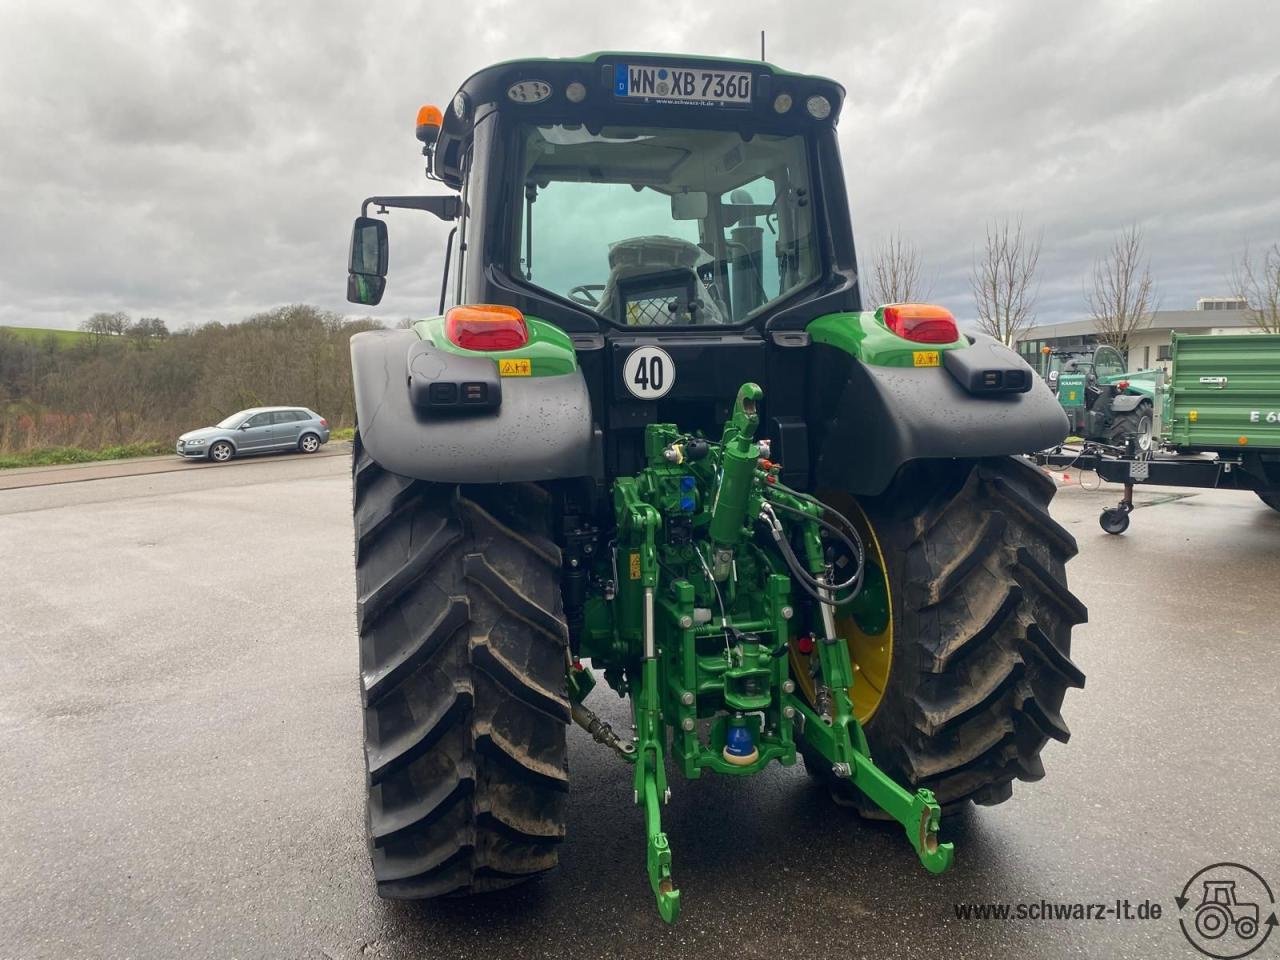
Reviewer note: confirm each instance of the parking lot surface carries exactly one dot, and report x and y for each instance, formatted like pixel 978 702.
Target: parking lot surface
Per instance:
pixel 181 772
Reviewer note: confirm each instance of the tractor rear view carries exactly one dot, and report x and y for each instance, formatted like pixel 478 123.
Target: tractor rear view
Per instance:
pixel 652 438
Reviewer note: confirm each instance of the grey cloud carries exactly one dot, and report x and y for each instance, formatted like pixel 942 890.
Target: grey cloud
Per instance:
pixel 202 161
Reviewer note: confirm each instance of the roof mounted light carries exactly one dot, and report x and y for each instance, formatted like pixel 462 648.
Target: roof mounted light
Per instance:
pixel 575 92
pixel 819 107
pixel 921 322
pixel 430 120
pixel 782 102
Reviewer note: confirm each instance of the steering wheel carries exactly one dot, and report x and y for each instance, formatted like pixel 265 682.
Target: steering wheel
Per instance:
pixel 586 294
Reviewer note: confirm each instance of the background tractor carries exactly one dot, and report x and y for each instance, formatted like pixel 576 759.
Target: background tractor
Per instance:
pixel 653 436
pixel 1104 402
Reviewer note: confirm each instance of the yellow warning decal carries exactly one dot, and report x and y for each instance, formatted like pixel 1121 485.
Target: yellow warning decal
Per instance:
pixel 926 358
pixel 635 566
pixel 515 367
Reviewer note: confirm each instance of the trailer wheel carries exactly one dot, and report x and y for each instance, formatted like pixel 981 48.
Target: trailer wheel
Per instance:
pixel 1272 499
pixel 1114 520
pixel 965 665
pixel 462 669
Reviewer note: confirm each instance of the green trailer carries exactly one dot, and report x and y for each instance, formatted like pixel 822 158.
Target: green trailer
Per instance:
pixel 1224 398
pixel 1217 425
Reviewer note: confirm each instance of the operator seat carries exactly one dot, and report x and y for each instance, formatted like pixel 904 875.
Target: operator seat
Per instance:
pixel 653 281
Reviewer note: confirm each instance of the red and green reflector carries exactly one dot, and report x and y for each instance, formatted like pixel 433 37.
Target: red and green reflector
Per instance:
pixel 921 322
pixel 486 326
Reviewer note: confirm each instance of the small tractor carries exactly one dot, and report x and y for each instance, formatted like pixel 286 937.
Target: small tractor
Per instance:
pixel 1220 911
pixel 652 436
pixel 1105 403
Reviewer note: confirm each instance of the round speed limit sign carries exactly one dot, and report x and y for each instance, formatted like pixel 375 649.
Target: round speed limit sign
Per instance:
pixel 649 373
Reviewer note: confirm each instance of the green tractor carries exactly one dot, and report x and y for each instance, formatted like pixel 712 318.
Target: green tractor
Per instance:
pixel 653 437
pixel 1105 403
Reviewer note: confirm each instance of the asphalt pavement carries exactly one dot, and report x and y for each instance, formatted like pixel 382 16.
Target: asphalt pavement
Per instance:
pixel 181 776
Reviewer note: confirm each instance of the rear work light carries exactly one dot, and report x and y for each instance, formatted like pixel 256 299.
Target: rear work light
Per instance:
pixel 486 326
pixel 921 322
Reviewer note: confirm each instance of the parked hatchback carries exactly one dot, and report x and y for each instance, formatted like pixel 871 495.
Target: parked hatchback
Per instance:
pixel 257 430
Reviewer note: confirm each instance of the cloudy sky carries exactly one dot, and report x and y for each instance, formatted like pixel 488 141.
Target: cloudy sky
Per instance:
pixel 203 160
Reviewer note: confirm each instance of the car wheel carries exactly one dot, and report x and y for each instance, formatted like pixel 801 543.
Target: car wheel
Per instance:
pixel 221 452
pixel 309 443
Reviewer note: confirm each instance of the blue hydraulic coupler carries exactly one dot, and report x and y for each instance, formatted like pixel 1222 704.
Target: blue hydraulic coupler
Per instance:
pixel 739 747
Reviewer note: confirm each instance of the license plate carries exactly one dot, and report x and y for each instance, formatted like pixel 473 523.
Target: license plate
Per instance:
pixel 683 85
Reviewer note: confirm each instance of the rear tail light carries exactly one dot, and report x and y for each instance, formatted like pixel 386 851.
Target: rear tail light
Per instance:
pixel 921 322
pixel 486 326
pixel 324 422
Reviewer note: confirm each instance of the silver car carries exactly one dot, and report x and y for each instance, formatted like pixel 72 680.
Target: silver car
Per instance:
pixel 257 430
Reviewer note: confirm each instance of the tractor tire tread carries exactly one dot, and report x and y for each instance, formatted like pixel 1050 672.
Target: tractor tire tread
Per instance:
pixel 462 664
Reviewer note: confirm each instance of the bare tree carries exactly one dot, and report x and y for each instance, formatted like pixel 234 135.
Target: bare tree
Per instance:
pixel 1004 281
pixel 896 273
pixel 1123 298
pixel 1258 284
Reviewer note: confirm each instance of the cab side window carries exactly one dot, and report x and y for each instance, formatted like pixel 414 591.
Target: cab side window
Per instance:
pixel 1107 362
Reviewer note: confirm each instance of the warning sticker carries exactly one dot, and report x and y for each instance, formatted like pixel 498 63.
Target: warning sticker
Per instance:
pixel 635 566
pixel 515 367
pixel 926 358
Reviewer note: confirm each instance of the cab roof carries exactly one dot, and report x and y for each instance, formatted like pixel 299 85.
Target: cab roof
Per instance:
pixel 595 71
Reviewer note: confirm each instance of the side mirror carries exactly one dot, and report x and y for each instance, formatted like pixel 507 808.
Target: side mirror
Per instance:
pixel 243 426
pixel 367 269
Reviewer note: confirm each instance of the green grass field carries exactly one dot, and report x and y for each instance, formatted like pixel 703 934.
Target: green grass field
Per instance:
pixel 49 456
pixel 65 338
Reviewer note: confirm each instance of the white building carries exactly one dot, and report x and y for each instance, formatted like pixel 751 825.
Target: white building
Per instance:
pixel 1149 347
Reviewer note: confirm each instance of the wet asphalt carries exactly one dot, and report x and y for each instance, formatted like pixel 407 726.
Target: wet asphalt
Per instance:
pixel 181 776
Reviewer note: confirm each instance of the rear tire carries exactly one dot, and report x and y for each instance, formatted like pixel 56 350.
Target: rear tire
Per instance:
pixel 1272 500
pixel 982 631
pixel 308 443
pixel 462 662
pixel 1137 422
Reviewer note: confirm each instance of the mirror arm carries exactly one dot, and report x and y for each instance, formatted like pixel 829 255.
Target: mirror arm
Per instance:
pixel 448 255
pixel 444 207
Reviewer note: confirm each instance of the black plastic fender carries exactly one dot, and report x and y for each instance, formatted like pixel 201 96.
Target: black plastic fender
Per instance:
pixel 1125 402
pixel 541 431
pixel 888 416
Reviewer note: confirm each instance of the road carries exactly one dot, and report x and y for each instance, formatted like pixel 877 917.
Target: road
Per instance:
pixel 181 772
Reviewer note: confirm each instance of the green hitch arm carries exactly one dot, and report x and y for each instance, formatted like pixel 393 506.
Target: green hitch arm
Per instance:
pixel 918 813
pixel 841 740
pixel 650 774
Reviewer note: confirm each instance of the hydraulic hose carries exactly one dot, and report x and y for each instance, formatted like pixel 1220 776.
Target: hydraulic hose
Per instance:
pixel 816 588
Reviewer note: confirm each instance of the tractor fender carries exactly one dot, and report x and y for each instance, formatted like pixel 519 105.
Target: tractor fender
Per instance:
pixel 888 416
pixel 541 430
pixel 1125 402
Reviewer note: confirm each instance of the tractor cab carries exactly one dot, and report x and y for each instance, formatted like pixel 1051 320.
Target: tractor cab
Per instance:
pixel 626 199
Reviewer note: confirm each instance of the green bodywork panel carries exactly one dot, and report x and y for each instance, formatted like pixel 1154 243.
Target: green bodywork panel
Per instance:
pixel 694 621
pixel 865 336
pixel 1225 389
pixel 549 350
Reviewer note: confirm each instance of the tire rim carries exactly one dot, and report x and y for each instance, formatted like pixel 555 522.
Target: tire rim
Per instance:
pixel 222 453
pixel 867 624
pixel 1144 432
pixel 310 444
